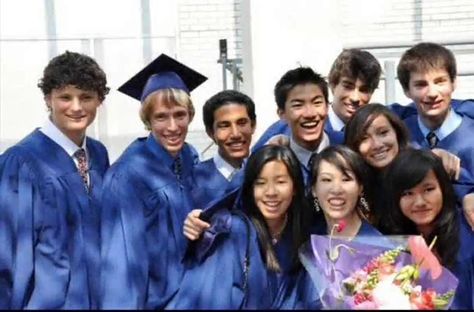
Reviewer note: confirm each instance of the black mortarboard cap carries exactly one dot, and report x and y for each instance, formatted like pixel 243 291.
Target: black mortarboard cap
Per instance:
pixel 162 73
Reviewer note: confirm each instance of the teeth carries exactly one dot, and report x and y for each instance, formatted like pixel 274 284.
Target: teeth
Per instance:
pixel 309 124
pixel 271 204
pixel 336 202
pixel 380 155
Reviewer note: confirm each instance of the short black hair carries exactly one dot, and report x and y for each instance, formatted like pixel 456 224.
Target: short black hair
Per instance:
pixel 223 98
pixel 79 70
pixel 296 77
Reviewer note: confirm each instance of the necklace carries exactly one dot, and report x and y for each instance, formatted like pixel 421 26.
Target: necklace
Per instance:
pixel 277 235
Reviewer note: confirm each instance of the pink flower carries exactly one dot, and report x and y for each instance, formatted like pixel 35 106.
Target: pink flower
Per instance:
pixel 366 305
pixel 341 226
pixel 423 256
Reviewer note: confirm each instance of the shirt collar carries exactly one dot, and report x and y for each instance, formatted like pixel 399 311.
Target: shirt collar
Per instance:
pixel 223 166
pixel 303 154
pixel 51 131
pixel 451 123
pixel 336 122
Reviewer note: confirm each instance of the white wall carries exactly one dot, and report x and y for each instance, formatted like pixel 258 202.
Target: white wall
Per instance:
pixel 270 36
pixel 284 35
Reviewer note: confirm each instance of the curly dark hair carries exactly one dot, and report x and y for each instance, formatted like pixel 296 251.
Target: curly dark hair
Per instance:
pixel 71 68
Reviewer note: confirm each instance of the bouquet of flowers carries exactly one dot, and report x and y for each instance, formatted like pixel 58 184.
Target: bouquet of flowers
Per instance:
pixel 384 272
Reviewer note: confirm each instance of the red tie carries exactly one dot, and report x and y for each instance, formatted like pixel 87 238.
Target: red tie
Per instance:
pixel 80 155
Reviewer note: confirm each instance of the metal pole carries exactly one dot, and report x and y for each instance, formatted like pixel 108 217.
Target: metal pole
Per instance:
pixel 389 67
pixel 146 31
pixel 234 75
pixel 101 119
pixel 223 59
pixel 50 16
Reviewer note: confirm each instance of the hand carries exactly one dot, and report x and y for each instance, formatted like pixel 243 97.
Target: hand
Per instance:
pixel 279 139
pixel 468 208
pixel 451 163
pixel 193 226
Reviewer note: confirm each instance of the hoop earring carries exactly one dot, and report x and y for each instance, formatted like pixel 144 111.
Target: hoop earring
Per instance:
pixel 316 204
pixel 364 205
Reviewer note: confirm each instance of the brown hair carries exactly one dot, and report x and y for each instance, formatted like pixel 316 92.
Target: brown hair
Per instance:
pixel 357 126
pixel 423 57
pixel 355 63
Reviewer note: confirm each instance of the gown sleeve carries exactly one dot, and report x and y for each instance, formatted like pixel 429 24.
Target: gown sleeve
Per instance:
pixel 34 268
pixel 216 282
pixel 124 266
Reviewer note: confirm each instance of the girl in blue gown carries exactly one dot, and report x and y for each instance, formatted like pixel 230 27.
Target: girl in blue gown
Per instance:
pixel 378 135
pixel 422 201
pixel 252 262
pixel 49 220
pixel 339 195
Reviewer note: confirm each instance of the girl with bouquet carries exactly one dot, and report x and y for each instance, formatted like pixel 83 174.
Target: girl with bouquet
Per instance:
pixel 421 200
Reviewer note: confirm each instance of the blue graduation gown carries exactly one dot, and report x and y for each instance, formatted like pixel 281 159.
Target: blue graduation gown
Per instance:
pixel 464 268
pixel 144 208
pixel 460 142
pixel 207 183
pixel 50 256
pixel 217 282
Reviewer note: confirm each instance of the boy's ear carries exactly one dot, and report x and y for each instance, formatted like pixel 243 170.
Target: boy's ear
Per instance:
pixel 407 94
pixel 210 134
pixel 281 113
pixel 254 125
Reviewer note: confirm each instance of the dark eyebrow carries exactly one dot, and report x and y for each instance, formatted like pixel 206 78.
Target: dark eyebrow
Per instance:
pixel 317 97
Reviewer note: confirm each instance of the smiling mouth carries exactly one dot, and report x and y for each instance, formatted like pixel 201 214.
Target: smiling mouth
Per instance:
pixel 76 117
pixel 435 104
pixel 309 124
pixel 337 203
pixel 236 145
pixel 173 139
pixel 352 107
pixel 421 211
pixel 380 155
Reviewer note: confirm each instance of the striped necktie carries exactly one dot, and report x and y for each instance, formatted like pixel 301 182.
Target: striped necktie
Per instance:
pixel 80 155
pixel 432 139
